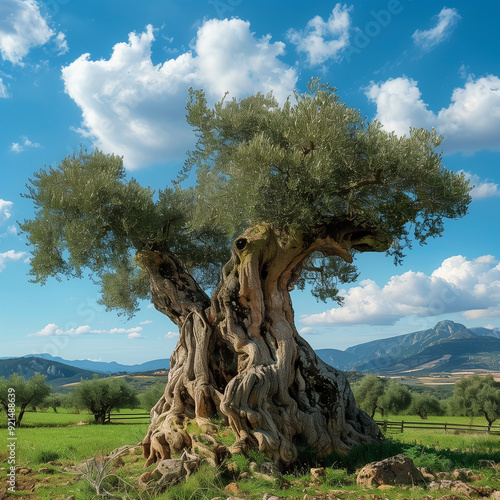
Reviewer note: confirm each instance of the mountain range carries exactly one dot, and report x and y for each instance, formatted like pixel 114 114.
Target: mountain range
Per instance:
pixel 446 347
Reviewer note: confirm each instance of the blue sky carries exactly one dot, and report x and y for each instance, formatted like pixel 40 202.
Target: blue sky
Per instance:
pixel 115 74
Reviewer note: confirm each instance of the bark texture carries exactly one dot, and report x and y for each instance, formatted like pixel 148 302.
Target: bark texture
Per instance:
pixel 240 356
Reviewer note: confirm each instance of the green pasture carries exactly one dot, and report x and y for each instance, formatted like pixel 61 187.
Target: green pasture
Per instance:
pixel 67 438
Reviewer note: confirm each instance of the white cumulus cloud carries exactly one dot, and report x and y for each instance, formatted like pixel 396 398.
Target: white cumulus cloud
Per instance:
pixel 321 40
pixel 3 90
pixel 471 287
pixel 469 123
pixel 10 256
pixel 23 27
pixel 446 21
pixel 482 189
pixel 53 330
pixel 171 335
pixel 135 335
pixel 135 108
pixel 5 210
pixel 24 143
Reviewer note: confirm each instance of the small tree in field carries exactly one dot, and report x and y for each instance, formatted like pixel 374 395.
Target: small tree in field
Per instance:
pixel 23 393
pixel 368 392
pixel 55 401
pixel 101 396
pixel 285 196
pixel 425 404
pixel 477 395
pixel 395 399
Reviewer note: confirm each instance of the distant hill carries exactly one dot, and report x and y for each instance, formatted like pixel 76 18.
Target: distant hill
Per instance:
pixel 57 373
pixel 108 367
pixel 490 332
pixel 447 346
pixel 342 360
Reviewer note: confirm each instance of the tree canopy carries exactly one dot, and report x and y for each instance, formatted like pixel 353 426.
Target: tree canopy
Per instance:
pixel 477 395
pixel 101 396
pixel 300 167
pixel 23 393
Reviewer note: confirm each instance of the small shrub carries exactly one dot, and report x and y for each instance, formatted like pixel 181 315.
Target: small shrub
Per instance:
pixel 241 461
pixel 45 456
pixel 257 456
pixel 203 485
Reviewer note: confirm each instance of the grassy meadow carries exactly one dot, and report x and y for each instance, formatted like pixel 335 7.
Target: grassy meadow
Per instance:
pixel 49 445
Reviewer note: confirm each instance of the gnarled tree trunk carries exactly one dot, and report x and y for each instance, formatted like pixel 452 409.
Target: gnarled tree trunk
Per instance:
pixel 240 355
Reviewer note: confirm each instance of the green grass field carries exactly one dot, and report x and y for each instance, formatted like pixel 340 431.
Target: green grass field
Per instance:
pixel 65 439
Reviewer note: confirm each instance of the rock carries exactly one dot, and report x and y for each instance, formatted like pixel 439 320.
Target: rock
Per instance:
pixel 171 471
pixel 394 470
pixel 246 475
pixel 385 487
pixel 317 473
pixel 253 466
pixel 457 487
pixel 46 470
pixel 268 496
pixel 441 475
pixel 58 464
pixel 487 464
pixel 495 495
pixel 427 474
pixel 232 489
pixel 71 497
pixel 463 475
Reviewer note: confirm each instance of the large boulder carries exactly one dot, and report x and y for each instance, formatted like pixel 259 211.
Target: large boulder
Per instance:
pixel 394 470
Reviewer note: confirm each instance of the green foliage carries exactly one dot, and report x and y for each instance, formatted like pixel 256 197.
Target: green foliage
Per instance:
pixel 90 218
pixel 304 166
pixel 152 395
pixel 395 399
pixel 477 395
pixel 367 393
pixel 16 390
pixel 302 163
pixel 44 456
pixel 205 484
pixel 101 396
pixel 424 404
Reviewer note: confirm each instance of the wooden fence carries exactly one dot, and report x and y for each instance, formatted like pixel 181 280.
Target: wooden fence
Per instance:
pixel 388 426
pixel 116 418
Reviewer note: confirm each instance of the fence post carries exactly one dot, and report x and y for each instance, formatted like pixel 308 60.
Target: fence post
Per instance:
pixel 402 426
pixel 445 428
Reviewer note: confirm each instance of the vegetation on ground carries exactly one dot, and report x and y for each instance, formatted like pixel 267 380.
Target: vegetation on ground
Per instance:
pixel 53 455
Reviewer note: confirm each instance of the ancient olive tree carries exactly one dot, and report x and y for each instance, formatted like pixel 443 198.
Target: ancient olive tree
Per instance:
pixel 271 198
